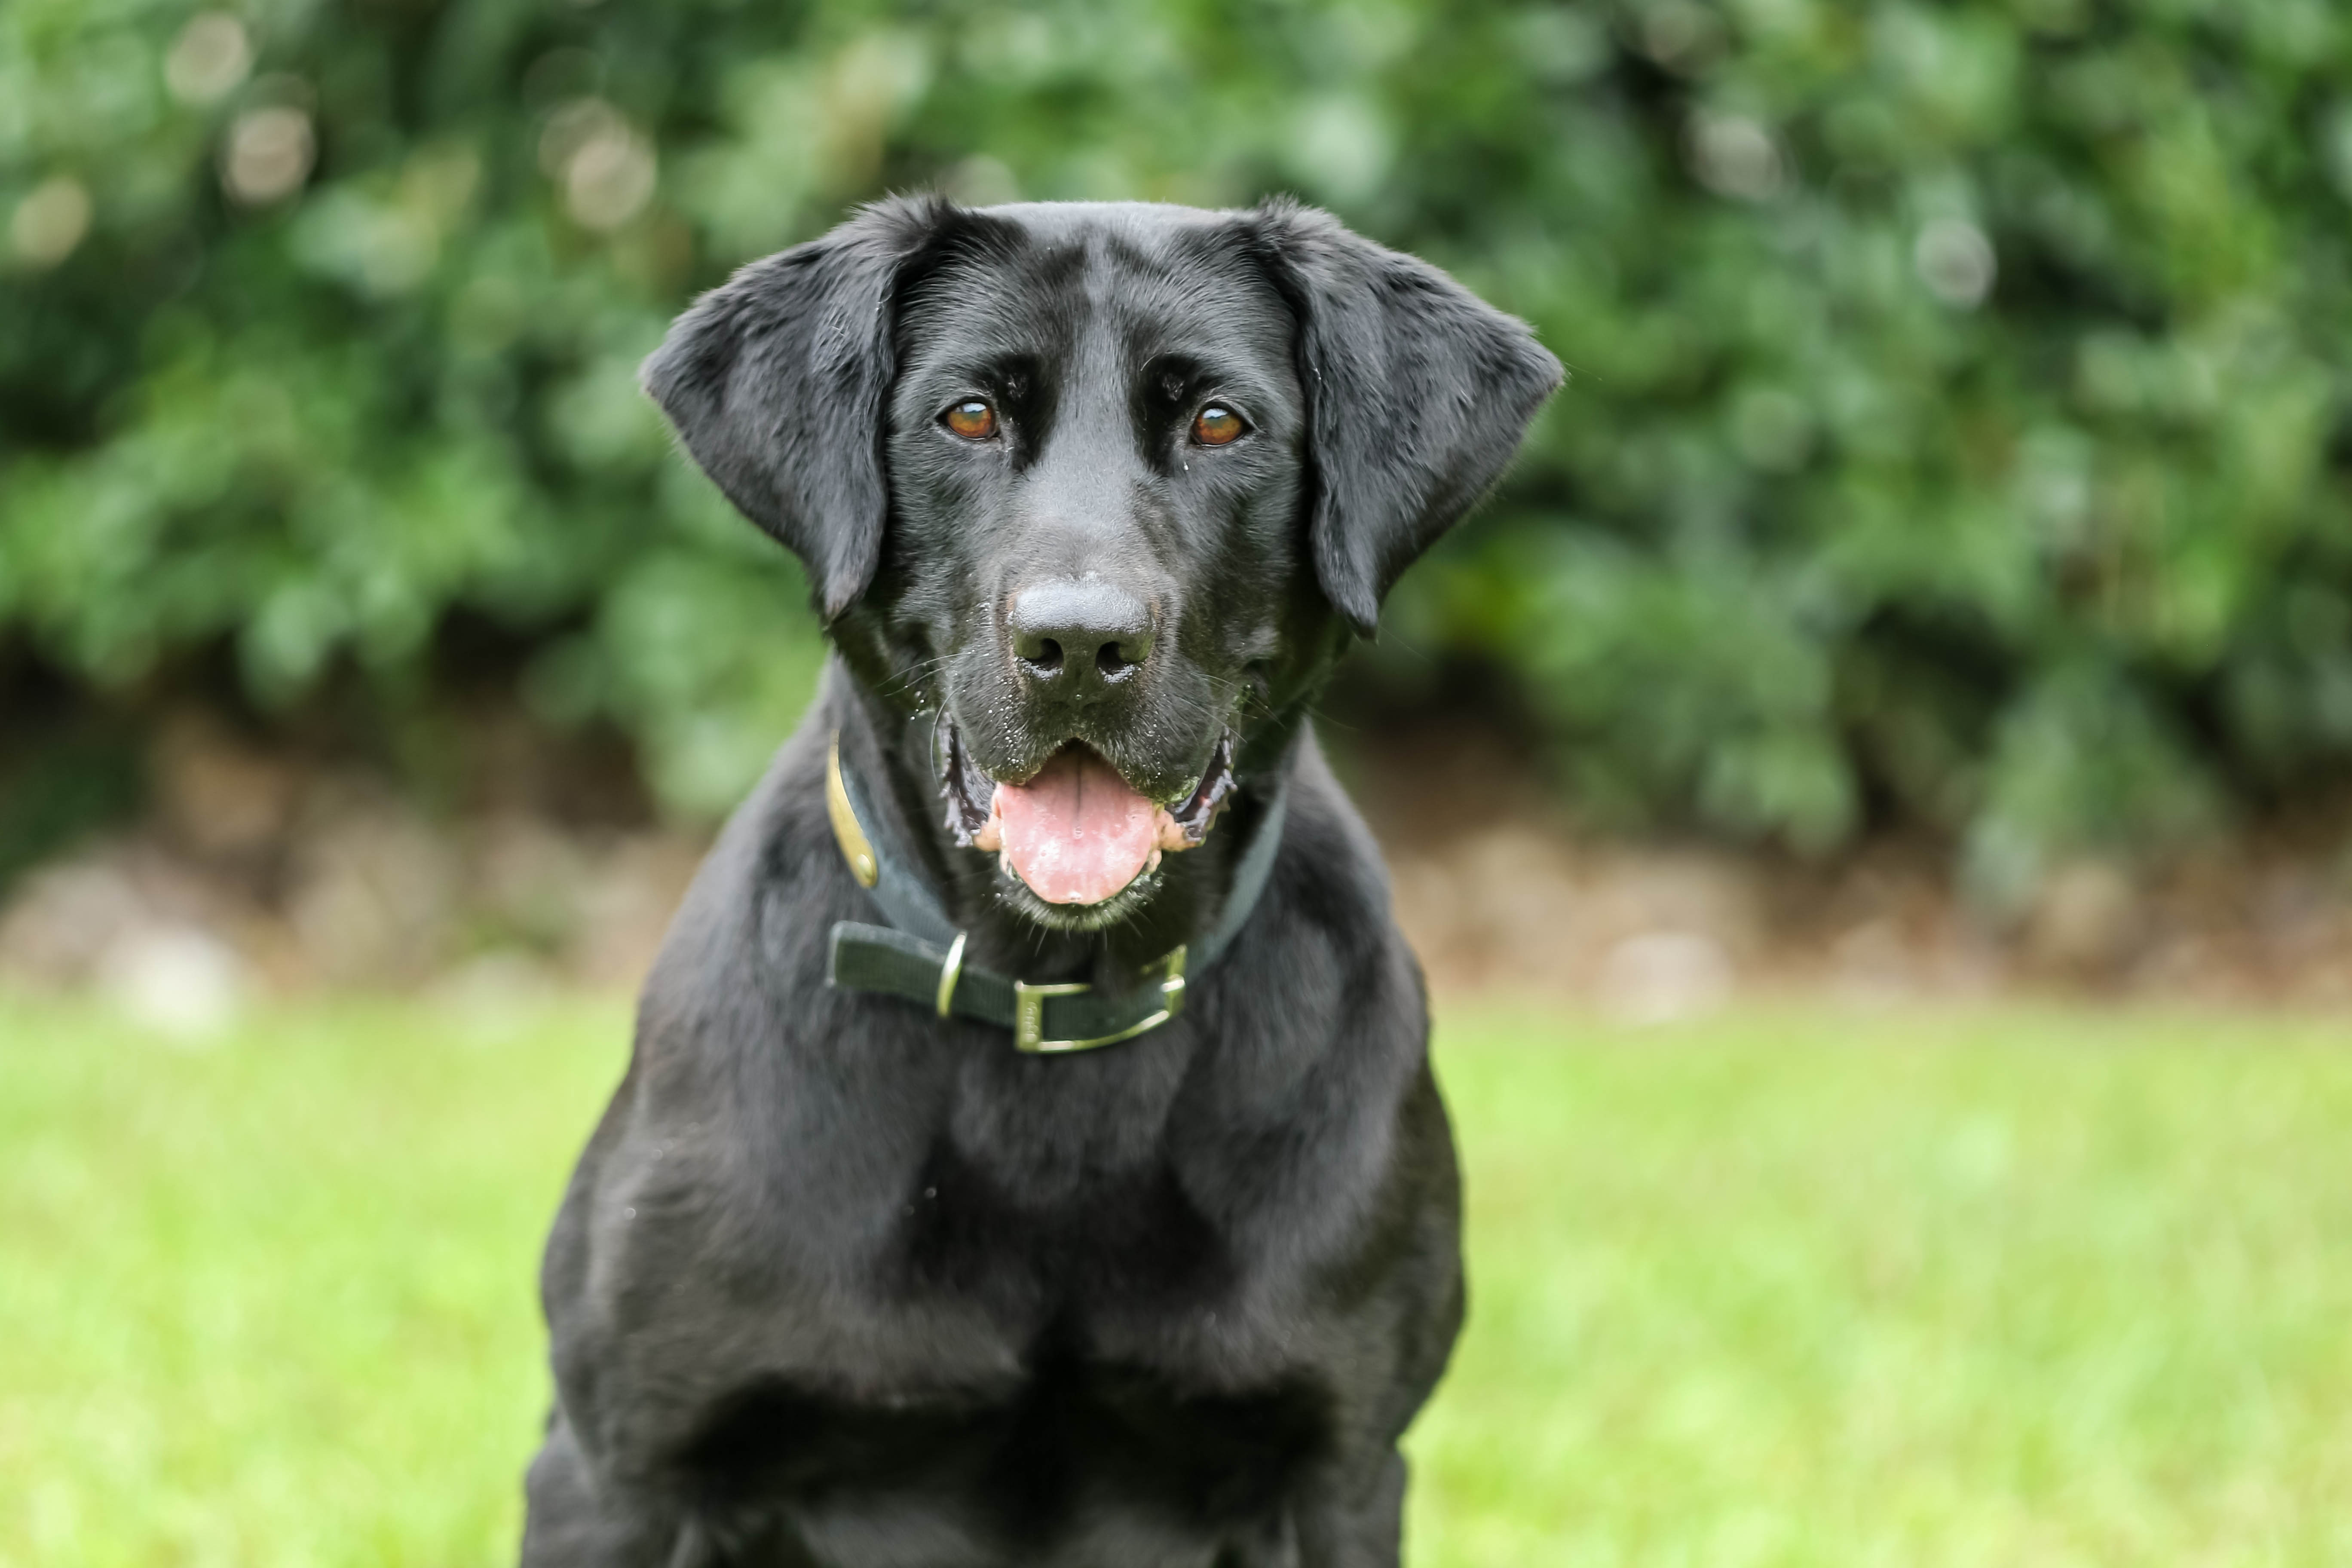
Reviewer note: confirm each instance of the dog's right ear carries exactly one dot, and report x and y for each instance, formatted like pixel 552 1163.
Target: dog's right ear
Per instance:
pixel 776 381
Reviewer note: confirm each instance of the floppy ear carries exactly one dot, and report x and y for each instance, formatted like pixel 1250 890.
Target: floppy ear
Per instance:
pixel 776 383
pixel 1417 394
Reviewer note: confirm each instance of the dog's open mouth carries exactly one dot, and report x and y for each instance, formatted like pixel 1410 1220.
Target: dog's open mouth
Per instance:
pixel 1076 832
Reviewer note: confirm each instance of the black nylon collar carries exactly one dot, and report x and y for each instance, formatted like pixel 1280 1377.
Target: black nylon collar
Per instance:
pixel 918 956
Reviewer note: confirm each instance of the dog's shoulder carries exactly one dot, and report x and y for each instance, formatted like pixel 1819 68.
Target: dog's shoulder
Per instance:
pixel 1329 887
pixel 766 893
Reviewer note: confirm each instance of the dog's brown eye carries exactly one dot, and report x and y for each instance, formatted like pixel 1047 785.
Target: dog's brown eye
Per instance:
pixel 1215 425
pixel 973 420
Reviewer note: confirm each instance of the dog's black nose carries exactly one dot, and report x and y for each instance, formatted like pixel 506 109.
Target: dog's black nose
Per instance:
pixel 1074 634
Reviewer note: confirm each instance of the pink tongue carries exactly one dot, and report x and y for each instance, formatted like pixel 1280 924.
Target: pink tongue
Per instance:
pixel 1075 832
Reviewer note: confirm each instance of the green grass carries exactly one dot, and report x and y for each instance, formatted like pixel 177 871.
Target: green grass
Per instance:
pixel 2018 1288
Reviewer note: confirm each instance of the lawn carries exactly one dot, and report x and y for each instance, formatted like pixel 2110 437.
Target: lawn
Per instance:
pixel 1799 1287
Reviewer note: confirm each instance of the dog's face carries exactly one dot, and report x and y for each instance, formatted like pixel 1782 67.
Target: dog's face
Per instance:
pixel 1095 463
pixel 1108 487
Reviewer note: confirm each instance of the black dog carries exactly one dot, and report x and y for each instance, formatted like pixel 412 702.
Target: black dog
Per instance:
pixel 873 1260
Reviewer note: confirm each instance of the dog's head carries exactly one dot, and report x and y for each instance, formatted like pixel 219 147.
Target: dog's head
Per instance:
pixel 1107 487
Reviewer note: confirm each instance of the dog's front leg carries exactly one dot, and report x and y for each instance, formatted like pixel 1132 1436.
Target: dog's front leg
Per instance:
pixel 1355 1521
pixel 572 1520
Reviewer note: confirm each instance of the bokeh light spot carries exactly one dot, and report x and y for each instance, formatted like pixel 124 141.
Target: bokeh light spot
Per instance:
pixel 49 223
pixel 1955 261
pixel 269 156
pixel 208 58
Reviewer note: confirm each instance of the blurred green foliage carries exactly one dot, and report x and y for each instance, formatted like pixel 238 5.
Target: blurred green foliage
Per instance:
pixel 1958 433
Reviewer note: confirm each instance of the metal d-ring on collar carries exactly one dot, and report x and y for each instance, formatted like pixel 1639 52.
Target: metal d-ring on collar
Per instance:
pixel 920 956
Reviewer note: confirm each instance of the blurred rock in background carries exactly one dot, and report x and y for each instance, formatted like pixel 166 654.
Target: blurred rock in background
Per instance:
pixel 259 872
pixel 288 872
pixel 1498 888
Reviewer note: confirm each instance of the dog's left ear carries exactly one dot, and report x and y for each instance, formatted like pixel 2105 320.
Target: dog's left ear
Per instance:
pixel 776 381
pixel 1417 394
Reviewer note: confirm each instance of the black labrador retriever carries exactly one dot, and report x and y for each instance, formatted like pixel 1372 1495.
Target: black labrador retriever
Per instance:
pixel 1030 1154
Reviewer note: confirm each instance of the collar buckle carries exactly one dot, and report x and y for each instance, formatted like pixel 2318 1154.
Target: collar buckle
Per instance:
pixel 1029 1010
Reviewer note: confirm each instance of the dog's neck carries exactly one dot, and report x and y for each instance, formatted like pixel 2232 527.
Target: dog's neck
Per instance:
pixel 892 748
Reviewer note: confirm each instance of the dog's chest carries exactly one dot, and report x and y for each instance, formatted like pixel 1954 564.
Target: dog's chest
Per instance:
pixel 1022 1371
pixel 1074 1447
pixel 1118 1243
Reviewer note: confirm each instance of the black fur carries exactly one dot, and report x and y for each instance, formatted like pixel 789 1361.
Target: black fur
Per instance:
pixel 838 1282
pixel 775 383
pixel 1418 395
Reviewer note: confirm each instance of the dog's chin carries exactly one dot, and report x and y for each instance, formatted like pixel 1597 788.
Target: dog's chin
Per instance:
pixel 1015 895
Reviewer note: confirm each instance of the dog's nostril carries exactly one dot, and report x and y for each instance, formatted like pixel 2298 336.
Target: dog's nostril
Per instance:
pixel 1078 636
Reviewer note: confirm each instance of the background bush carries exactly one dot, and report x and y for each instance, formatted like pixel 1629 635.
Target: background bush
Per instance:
pixel 1958 433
